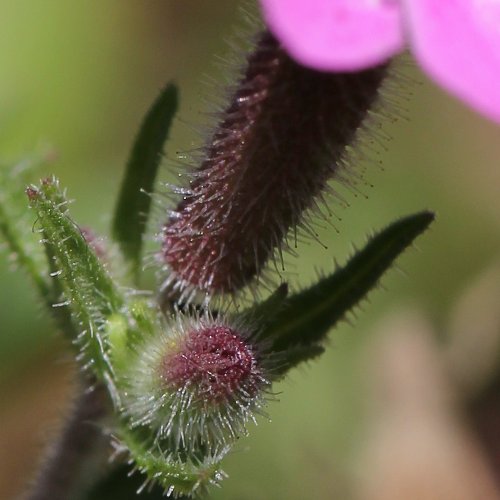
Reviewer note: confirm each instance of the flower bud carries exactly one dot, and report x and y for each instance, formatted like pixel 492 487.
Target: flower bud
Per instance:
pixel 282 137
pixel 198 382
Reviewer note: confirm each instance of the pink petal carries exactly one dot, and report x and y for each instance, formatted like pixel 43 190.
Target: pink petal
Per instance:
pixel 458 43
pixel 336 35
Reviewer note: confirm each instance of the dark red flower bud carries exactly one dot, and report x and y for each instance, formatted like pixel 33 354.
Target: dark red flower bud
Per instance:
pixel 281 138
pixel 215 362
pixel 198 383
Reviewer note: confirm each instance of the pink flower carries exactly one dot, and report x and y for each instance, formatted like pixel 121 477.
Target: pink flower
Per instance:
pixel 457 42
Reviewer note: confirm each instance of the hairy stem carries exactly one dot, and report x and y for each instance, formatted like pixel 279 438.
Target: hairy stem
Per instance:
pixel 73 462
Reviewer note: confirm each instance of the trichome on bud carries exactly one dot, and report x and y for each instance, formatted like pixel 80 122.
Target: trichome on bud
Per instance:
pixel 197 382
pixel 281 138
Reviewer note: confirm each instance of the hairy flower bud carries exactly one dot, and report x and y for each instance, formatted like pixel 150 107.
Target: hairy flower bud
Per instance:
pixel 198 383
pixel 282 137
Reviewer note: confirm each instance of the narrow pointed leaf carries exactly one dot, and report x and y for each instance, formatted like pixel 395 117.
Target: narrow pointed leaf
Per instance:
pixel 307 316
pixel 132 209
pixel 264 312
pixel 295 355
pixel 88 290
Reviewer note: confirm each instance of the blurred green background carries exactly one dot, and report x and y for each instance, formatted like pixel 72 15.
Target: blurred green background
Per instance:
pixel 79 76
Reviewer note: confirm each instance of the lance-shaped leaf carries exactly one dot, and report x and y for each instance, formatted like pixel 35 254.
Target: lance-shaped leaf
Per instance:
pixel 132 209
pixel 264 312
pixel 88 290
pixel 306 317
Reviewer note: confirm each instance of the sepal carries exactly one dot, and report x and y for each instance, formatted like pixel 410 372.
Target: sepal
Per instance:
pixel 87 288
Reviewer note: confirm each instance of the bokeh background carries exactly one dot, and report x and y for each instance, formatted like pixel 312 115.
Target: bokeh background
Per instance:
pixel 78 76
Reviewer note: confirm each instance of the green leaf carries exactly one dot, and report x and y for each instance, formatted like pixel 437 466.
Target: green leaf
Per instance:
pixel 264 312
pixel 295 355
pixel 132 209
pixel 88 290
pixel 306 317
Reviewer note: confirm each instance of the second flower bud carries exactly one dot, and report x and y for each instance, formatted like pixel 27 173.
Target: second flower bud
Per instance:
pixel 195 381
